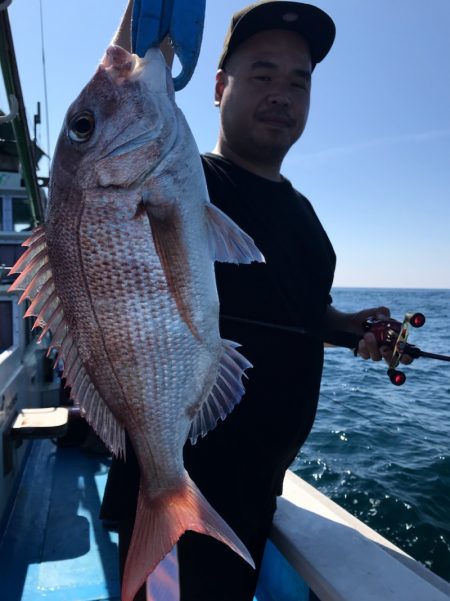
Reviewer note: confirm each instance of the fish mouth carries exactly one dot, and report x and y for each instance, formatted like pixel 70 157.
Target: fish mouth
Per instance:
pixel 119 60
pixel 151 71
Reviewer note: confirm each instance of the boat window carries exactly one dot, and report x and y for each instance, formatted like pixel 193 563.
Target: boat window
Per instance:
pixel 6 325
pixel 22 217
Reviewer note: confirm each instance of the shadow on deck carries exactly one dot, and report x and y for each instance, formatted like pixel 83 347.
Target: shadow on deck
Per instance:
pixel 54 547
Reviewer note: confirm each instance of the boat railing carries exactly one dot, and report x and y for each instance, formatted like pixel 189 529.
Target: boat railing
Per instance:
pixel 338 557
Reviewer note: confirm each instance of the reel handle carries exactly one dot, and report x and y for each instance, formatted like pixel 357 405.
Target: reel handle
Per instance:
pixel 416 320
pixel 396 376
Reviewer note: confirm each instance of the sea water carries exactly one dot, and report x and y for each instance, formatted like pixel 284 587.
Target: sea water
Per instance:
pixel 381 451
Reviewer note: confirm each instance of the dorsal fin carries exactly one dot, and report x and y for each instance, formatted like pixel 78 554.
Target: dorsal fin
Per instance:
pixel 40 299
pixel 36 280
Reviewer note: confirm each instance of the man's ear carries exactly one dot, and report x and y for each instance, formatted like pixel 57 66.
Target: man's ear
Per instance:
pixel 220 86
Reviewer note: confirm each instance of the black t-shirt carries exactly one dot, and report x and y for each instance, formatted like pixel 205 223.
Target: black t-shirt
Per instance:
pixel 256 443
pixel 292 288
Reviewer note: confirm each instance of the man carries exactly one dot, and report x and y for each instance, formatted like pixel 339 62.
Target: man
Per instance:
pixel 263 93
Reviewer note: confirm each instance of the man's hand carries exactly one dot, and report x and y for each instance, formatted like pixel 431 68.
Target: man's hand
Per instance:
pixel 368 346
pixel 353 322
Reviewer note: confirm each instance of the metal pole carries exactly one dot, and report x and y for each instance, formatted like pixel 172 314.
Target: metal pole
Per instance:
pixel 19 123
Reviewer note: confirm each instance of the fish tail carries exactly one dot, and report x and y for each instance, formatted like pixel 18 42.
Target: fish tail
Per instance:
pixel 160 523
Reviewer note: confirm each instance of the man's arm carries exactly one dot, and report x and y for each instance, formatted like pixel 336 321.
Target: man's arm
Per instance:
pixel 122 37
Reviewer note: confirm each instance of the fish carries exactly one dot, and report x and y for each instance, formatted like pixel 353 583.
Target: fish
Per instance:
pixel 121 273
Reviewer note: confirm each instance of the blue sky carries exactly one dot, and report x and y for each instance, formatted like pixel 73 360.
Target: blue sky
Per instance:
pixel 375 157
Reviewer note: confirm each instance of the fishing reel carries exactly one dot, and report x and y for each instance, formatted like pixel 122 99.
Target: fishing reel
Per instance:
pixel 394 334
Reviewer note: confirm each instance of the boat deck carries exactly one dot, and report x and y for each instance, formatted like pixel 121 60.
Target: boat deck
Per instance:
pixel 54 546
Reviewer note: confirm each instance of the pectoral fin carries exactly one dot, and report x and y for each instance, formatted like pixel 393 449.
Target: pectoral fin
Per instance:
pixel 227 242
pixel 166 229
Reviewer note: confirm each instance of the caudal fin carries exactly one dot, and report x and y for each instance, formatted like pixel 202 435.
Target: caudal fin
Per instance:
pixel 160 523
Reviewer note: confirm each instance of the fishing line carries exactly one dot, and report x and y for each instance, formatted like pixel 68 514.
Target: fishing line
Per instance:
pixel 44 71
pixel 351 409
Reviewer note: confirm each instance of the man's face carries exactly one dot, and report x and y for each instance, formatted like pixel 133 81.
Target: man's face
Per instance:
pixel 264 95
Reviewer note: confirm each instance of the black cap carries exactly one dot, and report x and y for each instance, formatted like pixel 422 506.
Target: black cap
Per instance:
pixel 311 22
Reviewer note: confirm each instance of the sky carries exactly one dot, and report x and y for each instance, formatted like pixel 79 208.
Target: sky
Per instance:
pixel 375 157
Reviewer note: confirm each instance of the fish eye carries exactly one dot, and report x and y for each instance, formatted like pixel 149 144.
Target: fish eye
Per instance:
pixel 81 126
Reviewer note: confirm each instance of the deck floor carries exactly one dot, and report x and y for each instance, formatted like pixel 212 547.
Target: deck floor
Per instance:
pixel 54 546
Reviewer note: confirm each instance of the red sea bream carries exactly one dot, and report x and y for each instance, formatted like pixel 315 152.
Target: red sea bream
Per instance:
pixel 122 275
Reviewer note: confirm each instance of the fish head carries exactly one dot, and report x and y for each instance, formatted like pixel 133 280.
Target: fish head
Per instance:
pixel 121 125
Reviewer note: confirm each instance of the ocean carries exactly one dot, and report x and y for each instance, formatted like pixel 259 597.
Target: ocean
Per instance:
pixel 382 451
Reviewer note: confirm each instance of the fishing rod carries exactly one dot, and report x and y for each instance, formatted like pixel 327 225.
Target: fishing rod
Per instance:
pixel 332 337
pixel 387 332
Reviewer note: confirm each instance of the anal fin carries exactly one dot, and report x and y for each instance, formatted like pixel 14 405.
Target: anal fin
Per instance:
pixel 225 394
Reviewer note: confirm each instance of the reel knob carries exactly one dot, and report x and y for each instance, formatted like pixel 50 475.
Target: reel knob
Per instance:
pixel 396 377
pixel 417 320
